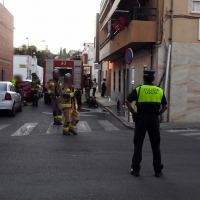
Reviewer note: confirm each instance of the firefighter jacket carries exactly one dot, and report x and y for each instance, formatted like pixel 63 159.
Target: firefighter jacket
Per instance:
pixel 68 97
pixel 88 83
pixel 54 88
pixel 35 84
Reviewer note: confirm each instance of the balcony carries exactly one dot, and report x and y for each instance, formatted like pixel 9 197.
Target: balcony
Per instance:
pixel 104 9
pixel 141 30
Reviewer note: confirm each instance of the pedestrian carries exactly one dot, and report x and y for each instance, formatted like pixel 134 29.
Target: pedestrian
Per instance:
pixel 94 87
pixel 103 87
pixel 54 87
pixel 69 106
pixel 34 90
pixel 150 102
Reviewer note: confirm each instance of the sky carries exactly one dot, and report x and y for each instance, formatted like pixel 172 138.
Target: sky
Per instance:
pixel 61 23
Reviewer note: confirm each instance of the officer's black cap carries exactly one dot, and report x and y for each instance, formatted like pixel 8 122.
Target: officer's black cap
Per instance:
pixel 34 74
pixel 149 73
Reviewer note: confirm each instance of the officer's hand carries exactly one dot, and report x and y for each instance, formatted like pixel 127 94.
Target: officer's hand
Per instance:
pixel 66 96
pixel 72 94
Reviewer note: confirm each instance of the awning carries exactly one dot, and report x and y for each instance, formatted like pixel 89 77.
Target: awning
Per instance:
pixel 111 12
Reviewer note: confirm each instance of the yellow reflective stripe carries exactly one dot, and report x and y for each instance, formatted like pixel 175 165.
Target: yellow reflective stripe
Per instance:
pixel 49 91
pixel 149 94
pixel 66 105
pixel 68 90
pixel 65 128
pixel 59 116
pixel 52 84
pixel 72 94
pixel 76 106
pixel 72 126
pixel 55 117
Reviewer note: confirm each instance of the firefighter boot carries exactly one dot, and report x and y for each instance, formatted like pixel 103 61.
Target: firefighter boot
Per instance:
pixel 66 129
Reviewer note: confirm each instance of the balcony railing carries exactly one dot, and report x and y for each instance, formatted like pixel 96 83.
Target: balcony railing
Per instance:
pixel 142 13
pixel 137 13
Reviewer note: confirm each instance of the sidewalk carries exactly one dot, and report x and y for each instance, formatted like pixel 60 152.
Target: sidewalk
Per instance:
pixel 122 116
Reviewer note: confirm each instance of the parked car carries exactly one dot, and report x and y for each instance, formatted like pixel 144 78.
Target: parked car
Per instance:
pixel 27 88
pixel 9 99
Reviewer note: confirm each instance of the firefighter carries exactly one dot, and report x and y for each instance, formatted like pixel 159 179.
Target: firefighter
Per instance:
pixel 19 87
pixel 69 106
pixel 88 85
pixel 54 87
pixel 34 90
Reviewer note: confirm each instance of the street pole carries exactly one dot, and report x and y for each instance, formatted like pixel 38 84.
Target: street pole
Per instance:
pixel 128 84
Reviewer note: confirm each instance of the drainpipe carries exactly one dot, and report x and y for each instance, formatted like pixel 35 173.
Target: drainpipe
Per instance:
pixel 170 63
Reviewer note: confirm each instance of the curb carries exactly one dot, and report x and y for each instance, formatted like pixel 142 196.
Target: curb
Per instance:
pixel 116 116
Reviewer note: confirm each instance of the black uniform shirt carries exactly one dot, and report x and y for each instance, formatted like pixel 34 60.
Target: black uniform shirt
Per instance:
pixel 146 108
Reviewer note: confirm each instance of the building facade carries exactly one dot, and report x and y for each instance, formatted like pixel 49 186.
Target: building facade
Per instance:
pixel 6 44
pixel 164 36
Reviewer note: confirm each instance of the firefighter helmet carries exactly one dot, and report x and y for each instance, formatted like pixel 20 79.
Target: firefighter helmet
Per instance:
pixel 68 75
pixel 55 71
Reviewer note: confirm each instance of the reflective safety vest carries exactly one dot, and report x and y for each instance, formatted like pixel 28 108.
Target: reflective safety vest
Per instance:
pixel 149 94
pixel 54 87
pixel 70 102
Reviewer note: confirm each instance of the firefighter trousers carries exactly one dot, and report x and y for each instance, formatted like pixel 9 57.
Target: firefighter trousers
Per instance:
pixel 71 118
pixel 87 93
pixel 34 97
pixel 56 107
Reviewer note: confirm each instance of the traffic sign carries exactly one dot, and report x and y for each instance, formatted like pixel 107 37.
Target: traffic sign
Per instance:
pixel 129 56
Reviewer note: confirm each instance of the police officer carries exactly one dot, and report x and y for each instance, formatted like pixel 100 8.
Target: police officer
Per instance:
pixel 69 106
pixel 34 89
pixel 54 87
pixel 150 102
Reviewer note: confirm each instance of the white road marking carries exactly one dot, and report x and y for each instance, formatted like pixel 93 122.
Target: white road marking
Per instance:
pixel 25 129
pixel 176 131
pixel 107 125
pixel 47 113
pixel 4 126
pixel 54 129
pixel 190 134
pixel 83 126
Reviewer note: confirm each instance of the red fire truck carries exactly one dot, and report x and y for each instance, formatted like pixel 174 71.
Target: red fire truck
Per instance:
pixel 74 67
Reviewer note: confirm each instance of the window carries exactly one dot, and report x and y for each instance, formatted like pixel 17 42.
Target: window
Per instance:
pixel 114 79
pixel 196 5
pixel 119 81
pixel 3 75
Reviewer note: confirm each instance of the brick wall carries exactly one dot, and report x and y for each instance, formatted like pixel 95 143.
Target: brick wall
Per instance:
pixel 6 43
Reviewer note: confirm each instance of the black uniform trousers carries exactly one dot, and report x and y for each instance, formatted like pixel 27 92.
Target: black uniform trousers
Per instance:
pixel 150 123
pixel 34 97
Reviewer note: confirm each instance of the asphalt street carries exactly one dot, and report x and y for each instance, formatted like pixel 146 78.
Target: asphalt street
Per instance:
pixel 38 162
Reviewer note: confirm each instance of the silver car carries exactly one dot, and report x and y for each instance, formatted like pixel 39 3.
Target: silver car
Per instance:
pixel 9 99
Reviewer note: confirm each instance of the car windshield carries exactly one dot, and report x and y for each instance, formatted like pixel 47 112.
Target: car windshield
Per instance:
pixel 3 87
pixel 26 83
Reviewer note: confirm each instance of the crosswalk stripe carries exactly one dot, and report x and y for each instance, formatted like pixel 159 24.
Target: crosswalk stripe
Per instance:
pixel 83 126
pixel 190 134
pixel 4 126
pixel 54 129
pixel 176 131
pixel 107 125
pixel 25 129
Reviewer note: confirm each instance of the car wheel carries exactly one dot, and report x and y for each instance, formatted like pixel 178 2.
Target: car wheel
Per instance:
pixel 20 107
pixel 13 111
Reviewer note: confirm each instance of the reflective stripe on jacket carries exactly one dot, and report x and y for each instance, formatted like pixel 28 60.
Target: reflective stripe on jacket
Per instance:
pixel 70 102
pixel 54 87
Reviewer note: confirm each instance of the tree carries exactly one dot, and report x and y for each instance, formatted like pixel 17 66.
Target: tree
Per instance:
pixel 40 55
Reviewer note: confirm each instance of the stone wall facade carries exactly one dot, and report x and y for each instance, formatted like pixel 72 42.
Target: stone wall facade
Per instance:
pixel 6 43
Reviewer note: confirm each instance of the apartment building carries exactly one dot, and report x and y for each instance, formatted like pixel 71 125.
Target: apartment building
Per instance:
pixel 6 44
pixel 165 37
